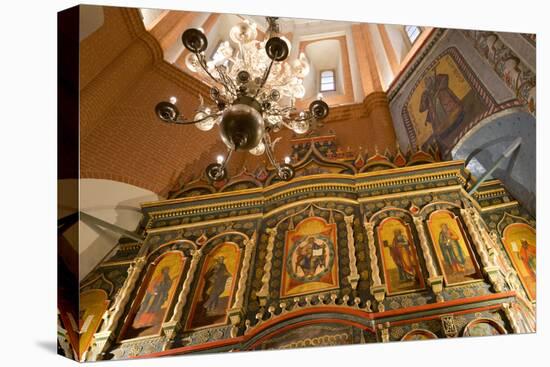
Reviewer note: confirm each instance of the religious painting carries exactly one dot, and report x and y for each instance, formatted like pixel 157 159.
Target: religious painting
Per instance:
pixel 93 304
pixel 310 258
pixel 444 101
pixel 483 327
pixel 453 251
pixel 399 257
pixel 216 287
pixel 520 242
pixel 154 297
pixel 418 334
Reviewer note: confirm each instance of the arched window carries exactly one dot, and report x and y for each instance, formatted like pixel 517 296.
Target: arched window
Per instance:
pixel 412 32
pixel 327 81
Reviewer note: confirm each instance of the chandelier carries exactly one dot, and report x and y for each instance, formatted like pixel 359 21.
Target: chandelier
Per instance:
pixel 254 92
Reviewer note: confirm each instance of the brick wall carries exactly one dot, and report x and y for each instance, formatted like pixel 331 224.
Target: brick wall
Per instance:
pixel 123 77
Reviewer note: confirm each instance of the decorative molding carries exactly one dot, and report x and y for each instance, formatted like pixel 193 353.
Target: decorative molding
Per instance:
pixel 63 340
pixel 449 326
pixel 507 64
pixel 263 294
pixel 309 302
pixel 354 275
pixel 171 327
pixel 237 310
pixel 378 289
pixel 435 280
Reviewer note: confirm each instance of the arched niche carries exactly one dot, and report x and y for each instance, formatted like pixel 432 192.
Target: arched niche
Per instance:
pixel 483 145
pixel 453 250
pixel 399 256
pixel 418 334
pixel 520 243
pixel 154 297
pixel 483 327
pixel 215 287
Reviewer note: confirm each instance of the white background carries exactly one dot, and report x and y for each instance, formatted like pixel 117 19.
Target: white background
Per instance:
pixel 28 181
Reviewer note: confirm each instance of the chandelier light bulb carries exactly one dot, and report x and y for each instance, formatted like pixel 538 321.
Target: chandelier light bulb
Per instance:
pixel 243 33
pixel 219 159
pixel 287 41
pixel 300 127
pixel 207 123
pixel 320 96
pixel 192 63
pixel 287 159
pixel 173 100
pixel 258 150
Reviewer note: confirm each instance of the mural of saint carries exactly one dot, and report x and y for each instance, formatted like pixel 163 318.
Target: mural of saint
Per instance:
pixel 527 254
pixel 399 257
pixel 400 251
pixel 216 280
pixel 443 107
pixel 520 243
pixel 215 287
pixel 453 252
pixel 444 102
pixel 154 296
pixel 310 264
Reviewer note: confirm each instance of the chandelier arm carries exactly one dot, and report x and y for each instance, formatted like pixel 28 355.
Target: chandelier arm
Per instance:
pixel 202 63
pixel 286 125
pixel 279 111
pixel 181 121
pixel 269 151
pixel 227 83
pixel 264 80
pixel 307 117
pixel 227 158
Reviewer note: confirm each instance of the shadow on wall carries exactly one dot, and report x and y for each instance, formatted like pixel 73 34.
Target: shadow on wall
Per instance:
pixel 114 202
pixel 486 142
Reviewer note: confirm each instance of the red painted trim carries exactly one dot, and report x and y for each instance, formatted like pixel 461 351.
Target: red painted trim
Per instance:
pixel 341 310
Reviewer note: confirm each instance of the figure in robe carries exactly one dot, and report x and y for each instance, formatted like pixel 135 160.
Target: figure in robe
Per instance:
pixel 215 282
pixel 400 251
pixel 528 256
pixel 443 107
pixel 451 250
pixel 311 254
pixel 155 296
